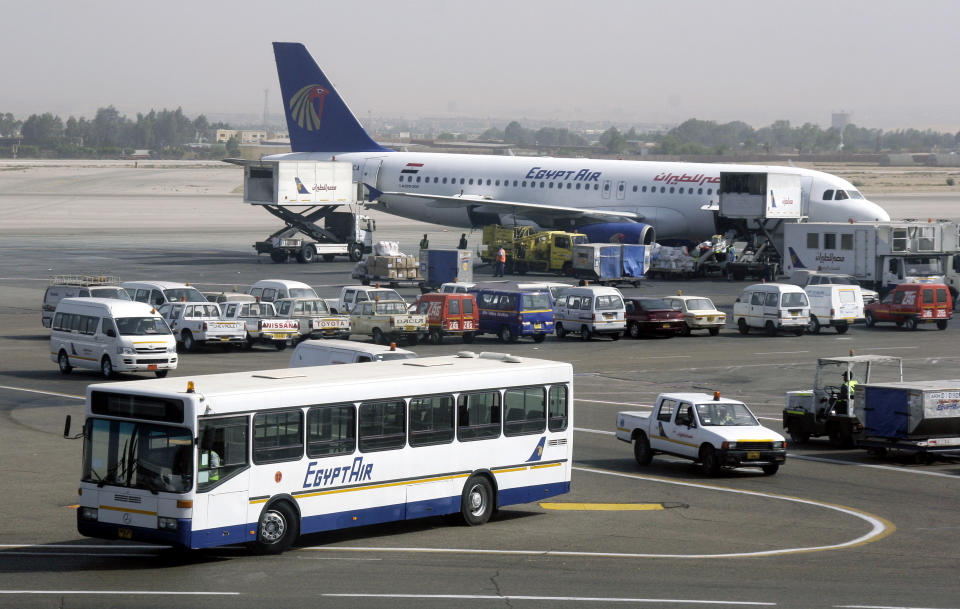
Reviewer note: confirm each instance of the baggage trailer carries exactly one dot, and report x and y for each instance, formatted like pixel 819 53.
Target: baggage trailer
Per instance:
pixel 920 417
pixel 611 263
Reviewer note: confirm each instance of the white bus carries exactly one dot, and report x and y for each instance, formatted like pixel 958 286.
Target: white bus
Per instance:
pixel 261 457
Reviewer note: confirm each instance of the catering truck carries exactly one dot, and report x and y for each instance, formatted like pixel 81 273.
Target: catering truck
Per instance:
pixel 710 430
pixel 880 255
pixel 920 417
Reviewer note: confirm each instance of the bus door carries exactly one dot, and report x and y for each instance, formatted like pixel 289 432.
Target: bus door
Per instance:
pixel 223 473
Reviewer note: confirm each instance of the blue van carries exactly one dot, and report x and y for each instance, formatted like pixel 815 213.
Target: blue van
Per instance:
pixel 512 313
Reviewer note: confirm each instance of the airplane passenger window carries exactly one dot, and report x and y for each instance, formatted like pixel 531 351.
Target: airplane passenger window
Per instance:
pixel 435 180
pixel 444 180
pixel 497 183
pixel 596 187
pixel 663 189
pixel 606 187
pixel 418 179
pixel 620 187
pixel 514 183
pixel 644 189
pixel 471 181
pixel 541 184
pixel 709 191
pixel 569 185
pixel 578 185
pixel 551 184
pixel 461 180
pixel 524 183
pixel 634 188
pixel 828 195
pixel 671 190
pixel 699 191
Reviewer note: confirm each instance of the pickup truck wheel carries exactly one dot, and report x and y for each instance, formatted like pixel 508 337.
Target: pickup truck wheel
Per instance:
pixel 64 362
pixel 106 367
pixel 742 326
pixel 307 254
pixel 355 252
pixel 714 331
pixel 247 343
pixel 435 337
pixel 941 324
pixel 468 337
pixel 476 501
pixel 328 257
pixel 378 336
pixel 280 345
pixel 842 328
pixel 770 469
pixel 189 344
pixel 813 326
pixel 869 319
pixel 770 329
pixel 560 330
pixel 709 461
pixel 641 449
pixel 911 323
pixel 633 329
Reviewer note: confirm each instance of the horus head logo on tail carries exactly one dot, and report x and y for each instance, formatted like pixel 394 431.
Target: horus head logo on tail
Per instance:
pixel 306 106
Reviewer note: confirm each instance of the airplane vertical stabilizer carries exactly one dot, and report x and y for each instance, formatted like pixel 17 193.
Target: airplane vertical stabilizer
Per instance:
pixel 317 117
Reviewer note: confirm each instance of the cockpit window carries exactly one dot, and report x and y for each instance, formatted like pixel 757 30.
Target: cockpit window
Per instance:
pixel 828 195
pixel 841 194
pixel 854 194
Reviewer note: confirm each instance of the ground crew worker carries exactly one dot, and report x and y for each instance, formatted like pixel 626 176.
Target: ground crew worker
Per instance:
pixel 846 393
pixel 501 260
pixel 463 242
pixel 424 243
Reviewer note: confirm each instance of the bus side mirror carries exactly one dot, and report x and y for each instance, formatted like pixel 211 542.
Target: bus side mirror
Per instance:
pixel 111 333
pixel 66 427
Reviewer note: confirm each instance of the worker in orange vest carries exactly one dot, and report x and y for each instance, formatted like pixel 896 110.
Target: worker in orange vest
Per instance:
pixel 501 262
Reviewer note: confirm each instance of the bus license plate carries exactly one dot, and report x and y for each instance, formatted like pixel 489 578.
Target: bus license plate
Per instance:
pixel 753 456
pixel 124 533
pixel 151 366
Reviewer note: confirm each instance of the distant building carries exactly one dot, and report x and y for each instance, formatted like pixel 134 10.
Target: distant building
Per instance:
pixel 246 137
pixel 840 120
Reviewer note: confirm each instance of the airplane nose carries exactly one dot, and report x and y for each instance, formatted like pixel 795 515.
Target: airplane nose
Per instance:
pixel 862 210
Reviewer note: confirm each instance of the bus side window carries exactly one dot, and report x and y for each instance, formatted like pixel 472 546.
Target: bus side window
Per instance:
pixel 558 408
pixel 331 430
pixel 478 416
pixel 222 451
pixel 431 420
pixel 526 411
pixel 277 436
pixel 383 425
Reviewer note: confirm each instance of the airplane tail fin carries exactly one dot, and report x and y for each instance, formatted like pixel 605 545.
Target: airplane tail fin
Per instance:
pixel 317 117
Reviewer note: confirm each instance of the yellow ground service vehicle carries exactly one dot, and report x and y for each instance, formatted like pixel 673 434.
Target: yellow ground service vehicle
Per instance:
pixel 531 250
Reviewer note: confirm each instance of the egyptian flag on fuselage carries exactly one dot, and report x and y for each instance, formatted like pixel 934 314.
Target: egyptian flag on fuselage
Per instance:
pixel 412 168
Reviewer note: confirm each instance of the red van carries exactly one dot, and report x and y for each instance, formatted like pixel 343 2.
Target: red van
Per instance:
pixel 449 315
pixel 910 304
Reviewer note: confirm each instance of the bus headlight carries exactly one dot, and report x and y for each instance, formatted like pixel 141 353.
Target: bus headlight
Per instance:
pixel 167 523
pixel 126 351
pixel 89 513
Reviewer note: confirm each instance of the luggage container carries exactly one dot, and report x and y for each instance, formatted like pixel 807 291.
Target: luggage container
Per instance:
pixel 611 263
pixel 921 417
pixel 438 267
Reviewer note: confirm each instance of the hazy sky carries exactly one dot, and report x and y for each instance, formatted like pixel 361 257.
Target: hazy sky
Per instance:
pixel 890 63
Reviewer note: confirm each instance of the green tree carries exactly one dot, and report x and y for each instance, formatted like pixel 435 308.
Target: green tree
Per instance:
pixel 233 147
pixel 42 130
pixel 9 126
pixel 613 141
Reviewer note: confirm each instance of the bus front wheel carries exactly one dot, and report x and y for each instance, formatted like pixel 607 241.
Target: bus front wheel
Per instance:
pixel 277 529
pixel 476 503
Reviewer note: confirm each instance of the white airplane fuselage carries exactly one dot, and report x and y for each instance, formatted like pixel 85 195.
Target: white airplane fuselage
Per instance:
pixel 667 195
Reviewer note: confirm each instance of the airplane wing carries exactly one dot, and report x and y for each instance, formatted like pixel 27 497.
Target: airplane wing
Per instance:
pixel 542 214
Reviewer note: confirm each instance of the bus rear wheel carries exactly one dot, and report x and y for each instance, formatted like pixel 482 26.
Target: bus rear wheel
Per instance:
pixel 476 502
pixel 277 529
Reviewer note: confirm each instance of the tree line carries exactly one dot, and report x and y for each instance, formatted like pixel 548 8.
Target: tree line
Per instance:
pixel 166 133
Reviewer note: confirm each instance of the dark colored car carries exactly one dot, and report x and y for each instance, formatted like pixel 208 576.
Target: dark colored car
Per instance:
pixel 652 316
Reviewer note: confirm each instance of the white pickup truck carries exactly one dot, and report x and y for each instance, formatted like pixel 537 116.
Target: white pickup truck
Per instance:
pixel 197 323
pixel 388 320
pixel 262 323
pixel 352 295
pixel 315 318
pixel 712 431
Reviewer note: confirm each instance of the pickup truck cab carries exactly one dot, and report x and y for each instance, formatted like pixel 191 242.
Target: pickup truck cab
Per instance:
pixel 315 318
pixel 387 321
pixel 198 323
pixel 712 431
pixel 912 304
pixel 262 323
pixel 352 295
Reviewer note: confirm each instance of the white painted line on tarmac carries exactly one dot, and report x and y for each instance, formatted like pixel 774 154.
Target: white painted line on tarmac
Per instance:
pixel 596 431
pixel 666 357
pixel 881 607
pixel 341 558
pixel 617 403
pixel 53 393
pixel 779 352
pixel 889 348
pixel 873 466
pixel 116 592
pixel 575 599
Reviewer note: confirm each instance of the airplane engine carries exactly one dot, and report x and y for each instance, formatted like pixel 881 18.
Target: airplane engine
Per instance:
pixel 620 232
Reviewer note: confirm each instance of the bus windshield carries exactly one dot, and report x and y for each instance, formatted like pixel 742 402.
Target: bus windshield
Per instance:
pixel 138 455
pixel 142 326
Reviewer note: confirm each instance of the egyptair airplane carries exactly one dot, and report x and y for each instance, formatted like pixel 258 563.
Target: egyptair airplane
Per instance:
pixel 636 200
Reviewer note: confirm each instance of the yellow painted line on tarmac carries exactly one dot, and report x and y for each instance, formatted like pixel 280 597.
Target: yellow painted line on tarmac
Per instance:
pixel 601 507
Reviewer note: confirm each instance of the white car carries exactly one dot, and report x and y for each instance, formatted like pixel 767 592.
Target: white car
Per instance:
pixel 699 313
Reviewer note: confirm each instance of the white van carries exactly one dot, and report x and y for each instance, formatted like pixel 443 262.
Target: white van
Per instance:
pixel 589 310
pixel 333 351
pixel 834 305
pixel 772 307
pixel 157 293
pixel 112 336
pixel 269 290
pixel 78 286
